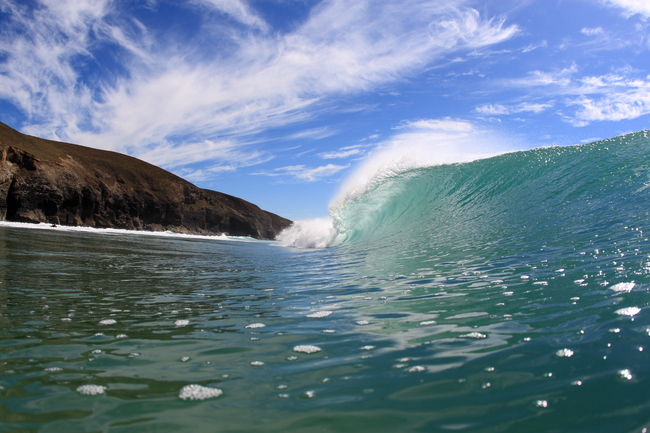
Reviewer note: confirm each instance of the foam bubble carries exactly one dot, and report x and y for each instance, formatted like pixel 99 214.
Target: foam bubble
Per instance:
pixel 181 322
pixel 427 323
pixel 108 322
pixel 362 322
pixel 306 348
pixel 416 369
pixel 53 369
pixel 257 363
pixel 198 392
pixel 629 311
pixel 625 374
pixel 623 287
pixel 564 353
pixel 255 326
pixel 91 389
pixel 319 314
pixel 473 335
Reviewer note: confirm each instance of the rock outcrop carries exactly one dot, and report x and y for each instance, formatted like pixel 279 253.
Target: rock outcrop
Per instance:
pixel 67 184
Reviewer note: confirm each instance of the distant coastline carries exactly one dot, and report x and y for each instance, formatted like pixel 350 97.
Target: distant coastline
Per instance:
pixel 44 181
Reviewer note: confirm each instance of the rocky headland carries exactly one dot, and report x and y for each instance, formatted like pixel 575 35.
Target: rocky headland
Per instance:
pixel 67 184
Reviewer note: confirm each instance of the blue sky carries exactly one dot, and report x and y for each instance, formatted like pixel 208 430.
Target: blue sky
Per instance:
pixel 281 101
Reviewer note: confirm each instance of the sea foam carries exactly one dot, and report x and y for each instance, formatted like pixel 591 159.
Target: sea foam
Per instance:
pixel 306 348
pixel 91 389
pixel 314 233
pixel 198 392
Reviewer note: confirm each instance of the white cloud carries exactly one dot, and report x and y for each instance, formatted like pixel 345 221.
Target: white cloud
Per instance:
pixel 500 109
pixel 165 92
pixel 176 155
pixel 560 77
pixel 237 10
pixel 39 74
pixel 533 47
pixel 589 31
pixel 312 134
pixel 615 106
pixel 344 152
pixel 304 173
pixel 631 7
pixel 531 107
pixel 492 109
pixel 620 95
pixel 445 125
pixel 204 174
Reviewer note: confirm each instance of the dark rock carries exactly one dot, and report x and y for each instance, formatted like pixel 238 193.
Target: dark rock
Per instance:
pixel 67 184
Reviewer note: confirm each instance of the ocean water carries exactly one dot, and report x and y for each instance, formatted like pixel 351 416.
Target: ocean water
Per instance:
pixel 508 294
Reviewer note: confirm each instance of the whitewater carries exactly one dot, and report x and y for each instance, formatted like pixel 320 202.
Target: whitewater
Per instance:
pixel 456 290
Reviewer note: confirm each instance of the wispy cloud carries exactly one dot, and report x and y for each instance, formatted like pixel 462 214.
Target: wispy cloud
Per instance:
pixel 613 98
pixel 437 126
pixel 304 173
pixel 620 95
pixel 344 152
pixel 533 47
pixel 162 93
pixel 238 10
pixel 560 77
pixel 312 134
pixel 631 7
pixel 500 109
pixel 592 31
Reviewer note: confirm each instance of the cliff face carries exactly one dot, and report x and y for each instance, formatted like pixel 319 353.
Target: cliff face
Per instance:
pixel 61 183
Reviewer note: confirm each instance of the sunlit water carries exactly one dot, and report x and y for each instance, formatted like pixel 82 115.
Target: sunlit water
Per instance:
pixel 495 298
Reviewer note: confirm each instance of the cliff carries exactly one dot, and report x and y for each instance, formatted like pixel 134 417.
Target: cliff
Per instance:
pixel 60 183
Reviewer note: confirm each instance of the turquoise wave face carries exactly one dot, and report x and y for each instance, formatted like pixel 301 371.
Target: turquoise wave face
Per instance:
pixel 520 198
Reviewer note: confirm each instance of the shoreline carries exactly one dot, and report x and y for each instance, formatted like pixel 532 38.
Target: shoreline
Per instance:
pixel 113 231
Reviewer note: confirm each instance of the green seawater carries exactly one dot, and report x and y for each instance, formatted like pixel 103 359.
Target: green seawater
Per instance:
pixel 504 295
